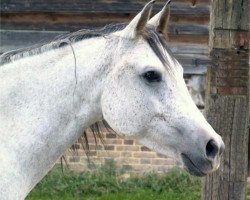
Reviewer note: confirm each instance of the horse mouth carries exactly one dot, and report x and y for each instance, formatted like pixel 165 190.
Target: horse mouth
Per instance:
pixel 191 167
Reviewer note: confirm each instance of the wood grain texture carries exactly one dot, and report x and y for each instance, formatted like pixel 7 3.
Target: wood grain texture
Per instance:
pixel 249 123
pixel 230 39
pixel 229 24
pixel 230 76
pixel 227 95
pixel 233 15
pixel 174 29
pixel 92 17
pixel 228 116
pixel 78 6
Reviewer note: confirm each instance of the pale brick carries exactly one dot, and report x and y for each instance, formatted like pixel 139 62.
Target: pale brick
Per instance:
pixel 127 148
pixel 94 160
pixel 95 147
pixel 163 162
pixel 126 154
pixel 113 141
pixel 78 167
pixel 91 153
pixel 145 161
pixel 136 142
pixel 111 135
pixel 109 147
pixel 161 155
pixel 106 154
pixel 80 152
pixel 143 148
pixel 130 161
pixel 128 142
pixel 144 155
pixel 143 168
pixel 91 140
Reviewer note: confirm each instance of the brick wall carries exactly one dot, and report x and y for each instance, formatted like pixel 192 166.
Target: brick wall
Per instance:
pixel 128 155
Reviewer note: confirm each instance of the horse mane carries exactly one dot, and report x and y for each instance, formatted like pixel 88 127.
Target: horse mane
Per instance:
pixel 58 42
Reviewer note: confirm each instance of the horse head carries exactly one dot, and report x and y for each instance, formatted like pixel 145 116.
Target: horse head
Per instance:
pixel 145 97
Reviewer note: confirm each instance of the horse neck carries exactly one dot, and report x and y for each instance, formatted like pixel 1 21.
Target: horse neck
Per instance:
pixel 57 100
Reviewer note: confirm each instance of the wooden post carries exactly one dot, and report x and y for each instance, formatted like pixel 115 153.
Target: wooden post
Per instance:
pixel 227 97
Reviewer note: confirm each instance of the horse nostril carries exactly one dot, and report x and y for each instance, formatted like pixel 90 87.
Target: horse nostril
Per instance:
pixel 212 149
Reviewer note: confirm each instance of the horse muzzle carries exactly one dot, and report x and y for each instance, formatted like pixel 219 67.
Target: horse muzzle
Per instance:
pixel 201 165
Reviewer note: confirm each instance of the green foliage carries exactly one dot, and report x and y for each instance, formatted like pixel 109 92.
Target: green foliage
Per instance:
pixel 106 183
pixel 248 191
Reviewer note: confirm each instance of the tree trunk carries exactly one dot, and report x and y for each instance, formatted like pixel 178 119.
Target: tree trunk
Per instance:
pixel 227 97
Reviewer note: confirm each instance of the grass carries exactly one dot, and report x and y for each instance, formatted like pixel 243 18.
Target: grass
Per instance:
pixel 248 191
pixel 106 184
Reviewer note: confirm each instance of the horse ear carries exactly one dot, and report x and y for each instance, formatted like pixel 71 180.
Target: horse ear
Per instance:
pixel 137 25
pixel 160 20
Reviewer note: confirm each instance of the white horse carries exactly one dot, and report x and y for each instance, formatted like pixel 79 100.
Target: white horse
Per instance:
pixel 127 77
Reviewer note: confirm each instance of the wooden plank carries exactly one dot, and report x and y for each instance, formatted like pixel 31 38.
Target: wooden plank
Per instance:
pixel 195 19
pixel 234 15
pixel 193 57
pixel 78 6
pixel 174 29
pixel 146 1
pixel 193 49
pixel 230 38
pixel 93 17
pixel 249 123
pixel 197 39
pixel 188 29
pixel 28 37
pixel 228 116
pixel 195 10
pixel 231 29
pixel 227 98
pixel 230 76
pixel 194 70
pixel 12 39
pixel 66 18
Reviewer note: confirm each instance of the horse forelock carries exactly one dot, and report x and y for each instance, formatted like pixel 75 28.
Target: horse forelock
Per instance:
pixel 158 44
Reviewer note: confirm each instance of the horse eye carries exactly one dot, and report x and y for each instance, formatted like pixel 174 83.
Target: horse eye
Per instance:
pixel 152 76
